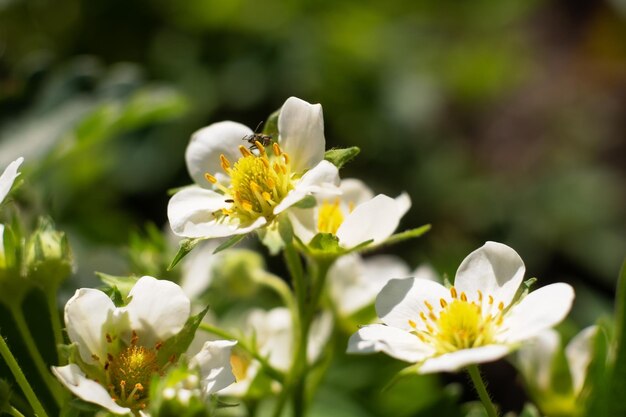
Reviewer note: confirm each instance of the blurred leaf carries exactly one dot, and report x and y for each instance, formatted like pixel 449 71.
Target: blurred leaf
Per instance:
pixel 229 243
pixel 271 125
pixel 185 246
pixel 306 203
pixel 5 396
pixel 178 344
pixel 616 405
pixel 122 284
pixel 340 157
pixel 400 237
pixel 529 411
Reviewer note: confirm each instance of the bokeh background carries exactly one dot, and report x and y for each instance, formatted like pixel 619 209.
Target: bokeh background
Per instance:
pixel 504 121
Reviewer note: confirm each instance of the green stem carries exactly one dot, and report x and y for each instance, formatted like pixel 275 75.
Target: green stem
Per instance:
pixel 21 379
pixel 15 412
pixel 481 389
pixel 267 367
pixel 31 346
pixel 53 310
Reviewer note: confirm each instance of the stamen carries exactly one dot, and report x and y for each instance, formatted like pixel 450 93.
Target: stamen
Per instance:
pixel 260 147
pixel 490 300
pixel 412 324
pixel 224 162
pixel 463 296
pixel 443 303
pixel 432 316
pixel 244 151
pixel 423 316
pixel 480 296
pixel 428 305
pixel 123 388
pixel 108 337
pixel 210 178
pixel 277 150
pixel 453 292
pixel 501 306
pixel 286 158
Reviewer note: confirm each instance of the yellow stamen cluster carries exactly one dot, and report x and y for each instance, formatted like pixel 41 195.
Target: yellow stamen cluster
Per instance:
pixel 240 365
pixel 130 372
pixel 258 183
pixel 460 323
pixel 329 217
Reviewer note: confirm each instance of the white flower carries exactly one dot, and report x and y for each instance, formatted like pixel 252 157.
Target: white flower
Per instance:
pixel 536 359
pixel 354 282
pixel 8 177
pixel 273 334
pixel 474 321
pixel 118 347
pixel 354 217
pixel 238 190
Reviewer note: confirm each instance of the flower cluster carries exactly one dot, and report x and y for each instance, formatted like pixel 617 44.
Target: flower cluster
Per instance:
pixel 137 348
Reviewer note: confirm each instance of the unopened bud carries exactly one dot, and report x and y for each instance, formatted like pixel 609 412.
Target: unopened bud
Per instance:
pixel 48 256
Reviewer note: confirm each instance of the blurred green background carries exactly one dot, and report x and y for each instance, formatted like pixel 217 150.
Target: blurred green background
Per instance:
pixel 504 121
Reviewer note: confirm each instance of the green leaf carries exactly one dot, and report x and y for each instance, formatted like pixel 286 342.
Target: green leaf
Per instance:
pixel 271 125
pixel 5 396
pixel 185 246
pixel 340 157
pixel 122 284
pixel 175 345
pixel 400 237
pixel 307 202
pixel 617 388
pixel 597 383
pixel 325 242
pixel 285 230
pixel 229 243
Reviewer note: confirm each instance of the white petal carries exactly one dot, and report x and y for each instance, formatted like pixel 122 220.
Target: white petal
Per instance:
pixel 158 309
pixel 579 353
pixel 494 269
pixel 301 130
pixel 404 203
pixel 323 178
pixel 274 335
pixel 206 146
pixel 426 271
pixel 355 191
pixel 536 357
pixel 394 342
pixel 354 282
pixel 375 219
pixel 539 310
pixel 8 177
pixel 86 314
pixel 214 364
pixel 304 223
pixel 190 213
pixel 197 268
pixel 402 300
pixel 1 241
pixel 86 389
pixel 454 361
pixel 319 334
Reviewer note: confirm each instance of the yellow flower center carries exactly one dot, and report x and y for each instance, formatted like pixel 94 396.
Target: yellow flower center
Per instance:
pixel 257 183
pixel 130 372
pixel 329 217
pixel 461 324
pixel 239 366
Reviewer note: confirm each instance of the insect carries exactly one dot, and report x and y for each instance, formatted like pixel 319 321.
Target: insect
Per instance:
pixel 263 139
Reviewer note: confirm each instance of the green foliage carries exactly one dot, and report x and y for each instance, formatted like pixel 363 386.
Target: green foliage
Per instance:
pixel 185 246
pixel 340 157
pixel 178 344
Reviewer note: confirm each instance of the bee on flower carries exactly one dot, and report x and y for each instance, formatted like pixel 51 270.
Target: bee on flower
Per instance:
pixel 237 190
pixel 479 319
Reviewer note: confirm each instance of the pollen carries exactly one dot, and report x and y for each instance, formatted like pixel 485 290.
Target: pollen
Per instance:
pixel 258 183
pixel 129 374
pixel 329 217
pixel 460 323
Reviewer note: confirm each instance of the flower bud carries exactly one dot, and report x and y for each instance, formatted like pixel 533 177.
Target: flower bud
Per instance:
pixel 178 394
pixel 48 256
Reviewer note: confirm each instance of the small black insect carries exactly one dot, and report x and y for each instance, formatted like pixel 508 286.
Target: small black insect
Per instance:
pixel 263 139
